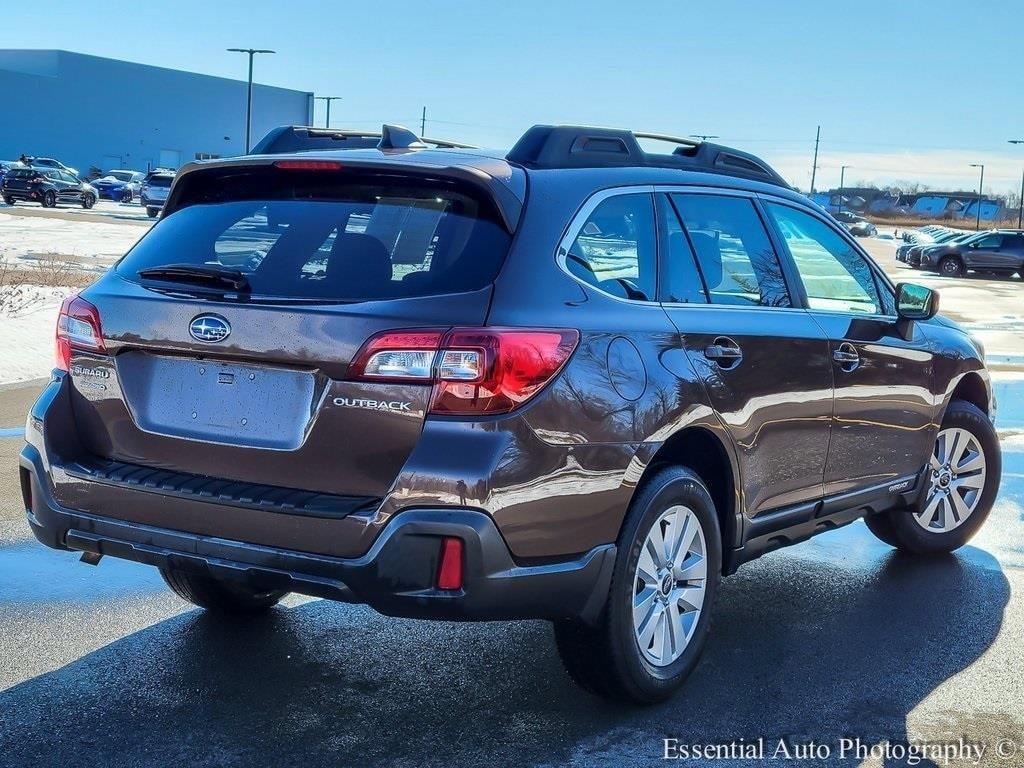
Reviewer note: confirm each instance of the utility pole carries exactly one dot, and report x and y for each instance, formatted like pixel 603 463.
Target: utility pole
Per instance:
pixel 703 136
pixel 981 184
pixel 814 167
pixel 842 183
pixel 423 123
pixel 248 103
pixel 328 99
pixel 1020 212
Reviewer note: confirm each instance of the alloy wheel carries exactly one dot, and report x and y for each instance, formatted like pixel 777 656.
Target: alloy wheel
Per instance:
pixel 669 586
pixel 957 480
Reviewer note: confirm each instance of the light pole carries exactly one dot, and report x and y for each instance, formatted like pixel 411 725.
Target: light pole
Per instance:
pixel 842 182
pixel 1020 213
pixel 328 99
pixel 981 183
pixel 814 165
pixel 248 103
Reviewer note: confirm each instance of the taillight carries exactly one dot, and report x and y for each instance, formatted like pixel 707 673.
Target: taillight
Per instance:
pixel 473 370
pixel 78 327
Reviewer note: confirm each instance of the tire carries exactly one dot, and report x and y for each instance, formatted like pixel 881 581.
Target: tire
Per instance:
pixel 940 525
pixel 88 202
pixel 606 658
pixel 49 200
pixel 218 596
pixel 9 200
pixel 951 266
pixel 151 212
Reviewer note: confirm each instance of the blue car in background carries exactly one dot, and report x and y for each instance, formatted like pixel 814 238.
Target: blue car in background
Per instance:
pixel 122 185
pixel 6 165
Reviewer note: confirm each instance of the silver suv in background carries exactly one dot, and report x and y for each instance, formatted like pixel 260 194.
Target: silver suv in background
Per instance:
pixel 154 190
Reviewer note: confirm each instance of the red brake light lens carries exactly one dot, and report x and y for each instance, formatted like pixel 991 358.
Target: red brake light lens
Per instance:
pixel 512 366
pixel 308 165
pixel 449 572
pixel 78 327
pixel 474 370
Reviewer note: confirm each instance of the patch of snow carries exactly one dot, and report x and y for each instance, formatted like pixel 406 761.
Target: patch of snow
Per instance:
pixel 22 237
pixel 26 339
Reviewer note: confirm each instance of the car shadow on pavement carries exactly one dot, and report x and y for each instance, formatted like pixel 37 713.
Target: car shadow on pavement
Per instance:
pixel 816 645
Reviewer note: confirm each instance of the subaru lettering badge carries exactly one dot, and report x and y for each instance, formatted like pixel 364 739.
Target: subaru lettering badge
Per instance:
pixel 209 328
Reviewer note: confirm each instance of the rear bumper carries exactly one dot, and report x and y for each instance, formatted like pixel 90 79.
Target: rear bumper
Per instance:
pixel 396 576
pixel 22 194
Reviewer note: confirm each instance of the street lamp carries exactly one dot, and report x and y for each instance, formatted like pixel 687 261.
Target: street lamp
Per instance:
pixel 703 136
pixel 328 99
pixel 981 183
pixel 1020 213
pixel 248 104
pixel 842 181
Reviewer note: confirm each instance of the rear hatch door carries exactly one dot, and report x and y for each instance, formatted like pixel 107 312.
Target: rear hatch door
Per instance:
pixel 254 383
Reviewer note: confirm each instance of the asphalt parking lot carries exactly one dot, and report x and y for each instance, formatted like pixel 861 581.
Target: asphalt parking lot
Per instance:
pixel 837 637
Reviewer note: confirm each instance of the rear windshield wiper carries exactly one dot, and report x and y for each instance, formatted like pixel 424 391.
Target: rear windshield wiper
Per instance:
pixel 199 274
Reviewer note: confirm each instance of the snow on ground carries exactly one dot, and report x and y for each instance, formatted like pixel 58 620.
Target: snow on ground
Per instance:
pixel 22 237
pixel 26 338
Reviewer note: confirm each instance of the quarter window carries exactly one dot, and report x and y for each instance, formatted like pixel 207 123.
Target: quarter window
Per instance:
pixel 615 248
pixel 735 255
pixel 835 276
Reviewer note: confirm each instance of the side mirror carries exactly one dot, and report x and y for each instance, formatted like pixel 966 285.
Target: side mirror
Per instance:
pixel 914 302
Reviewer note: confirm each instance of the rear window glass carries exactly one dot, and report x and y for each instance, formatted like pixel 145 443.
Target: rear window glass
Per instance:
pixel 22 173
pixel 160 181
pixel 369 241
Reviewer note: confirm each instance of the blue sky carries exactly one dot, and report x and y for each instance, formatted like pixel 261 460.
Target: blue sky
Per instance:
pixel 908 90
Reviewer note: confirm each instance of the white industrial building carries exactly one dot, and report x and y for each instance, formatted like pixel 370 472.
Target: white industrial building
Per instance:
pixel 93 113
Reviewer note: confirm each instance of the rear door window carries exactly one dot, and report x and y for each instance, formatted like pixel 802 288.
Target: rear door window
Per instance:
pixel 683 283
pixel 369 241
pixel 736 257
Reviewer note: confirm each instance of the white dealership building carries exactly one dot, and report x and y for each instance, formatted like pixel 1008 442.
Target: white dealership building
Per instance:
pixel 93 113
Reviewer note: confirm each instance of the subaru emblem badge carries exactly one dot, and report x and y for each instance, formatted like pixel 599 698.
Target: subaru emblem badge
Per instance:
pixel 209 328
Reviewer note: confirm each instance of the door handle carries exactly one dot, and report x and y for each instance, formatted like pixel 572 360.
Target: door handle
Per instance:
pixel 725 352
pixel 847 356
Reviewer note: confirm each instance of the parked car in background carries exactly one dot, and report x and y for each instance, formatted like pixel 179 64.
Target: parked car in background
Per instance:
pixel 154 189
pixel 912 254
pixel 922 234
pixel 49 162
pixel 857 225
pixel 1000 252
pixel 47 186
pixel 6 165
pixel 122 186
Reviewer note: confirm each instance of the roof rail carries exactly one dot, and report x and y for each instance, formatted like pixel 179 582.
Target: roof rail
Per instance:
pixel 574 146
pixel 300 138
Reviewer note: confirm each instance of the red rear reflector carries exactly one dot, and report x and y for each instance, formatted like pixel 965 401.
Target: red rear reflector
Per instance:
pixel 78 327
pixel 449 573
pixel 308 165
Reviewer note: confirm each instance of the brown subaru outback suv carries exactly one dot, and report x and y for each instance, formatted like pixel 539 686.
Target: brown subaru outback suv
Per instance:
pixel 580 382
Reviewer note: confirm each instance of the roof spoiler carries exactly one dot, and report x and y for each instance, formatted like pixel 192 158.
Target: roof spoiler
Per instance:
pixel 302 138
pixel 574 146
